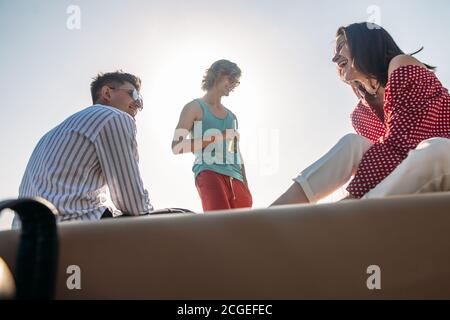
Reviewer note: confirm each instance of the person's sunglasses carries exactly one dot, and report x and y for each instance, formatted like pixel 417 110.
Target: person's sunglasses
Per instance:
pixel 134 94
pixel 234 82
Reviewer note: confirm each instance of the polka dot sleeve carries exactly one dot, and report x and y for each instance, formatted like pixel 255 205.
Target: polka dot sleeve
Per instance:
pixel 366 123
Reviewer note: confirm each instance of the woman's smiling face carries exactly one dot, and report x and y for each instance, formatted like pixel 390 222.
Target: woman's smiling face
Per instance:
pixel 343 59
pixel 348 73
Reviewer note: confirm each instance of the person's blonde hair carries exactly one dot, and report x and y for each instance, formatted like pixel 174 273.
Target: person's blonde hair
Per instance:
pixel 218 69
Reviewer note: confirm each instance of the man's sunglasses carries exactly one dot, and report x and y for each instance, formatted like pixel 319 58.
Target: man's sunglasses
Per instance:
pixel 134 94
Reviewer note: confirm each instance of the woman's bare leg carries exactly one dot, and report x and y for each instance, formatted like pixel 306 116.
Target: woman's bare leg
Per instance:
pixel 294 195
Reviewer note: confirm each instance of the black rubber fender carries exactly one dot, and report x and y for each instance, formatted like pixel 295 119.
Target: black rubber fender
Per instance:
pixel 37 255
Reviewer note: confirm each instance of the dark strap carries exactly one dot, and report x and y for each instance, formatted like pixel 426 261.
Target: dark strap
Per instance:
pixel 37 255
pixel 106 215
pixel 171 210
pixel 158 212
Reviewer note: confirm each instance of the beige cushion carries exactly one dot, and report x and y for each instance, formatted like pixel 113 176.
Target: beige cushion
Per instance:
pixel 296 252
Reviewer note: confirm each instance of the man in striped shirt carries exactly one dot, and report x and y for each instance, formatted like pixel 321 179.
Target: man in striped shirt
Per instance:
pixel 88 165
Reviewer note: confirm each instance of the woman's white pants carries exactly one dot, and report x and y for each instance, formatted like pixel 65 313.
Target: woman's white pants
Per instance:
pixel 426 169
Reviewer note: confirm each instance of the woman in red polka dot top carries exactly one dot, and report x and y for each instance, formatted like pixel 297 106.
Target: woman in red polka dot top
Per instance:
pixel 402 121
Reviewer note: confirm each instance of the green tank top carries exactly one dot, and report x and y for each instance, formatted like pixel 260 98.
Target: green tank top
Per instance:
pixel 215 157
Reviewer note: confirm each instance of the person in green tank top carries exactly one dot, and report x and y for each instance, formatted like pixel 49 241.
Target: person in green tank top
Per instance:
pixel 208 129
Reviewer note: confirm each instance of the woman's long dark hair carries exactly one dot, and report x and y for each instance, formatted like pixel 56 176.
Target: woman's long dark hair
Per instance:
pixel 372 49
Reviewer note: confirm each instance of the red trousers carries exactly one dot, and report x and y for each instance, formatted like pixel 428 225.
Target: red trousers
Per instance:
pixel 220 192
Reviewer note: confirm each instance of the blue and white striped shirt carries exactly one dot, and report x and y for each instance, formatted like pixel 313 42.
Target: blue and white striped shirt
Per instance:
pixel 87 164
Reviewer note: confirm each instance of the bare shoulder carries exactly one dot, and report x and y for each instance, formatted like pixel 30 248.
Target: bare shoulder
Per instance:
pixel 232 113
pixel 403 60
pixel 192 110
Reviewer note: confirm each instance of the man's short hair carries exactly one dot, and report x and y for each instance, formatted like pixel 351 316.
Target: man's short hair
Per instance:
pixel 218 69
pixel 112 78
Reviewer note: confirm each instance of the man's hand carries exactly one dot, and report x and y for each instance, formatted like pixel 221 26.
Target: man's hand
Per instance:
pixel 228 134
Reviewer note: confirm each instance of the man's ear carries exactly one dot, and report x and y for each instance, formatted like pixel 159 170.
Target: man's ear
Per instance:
pixel 105 94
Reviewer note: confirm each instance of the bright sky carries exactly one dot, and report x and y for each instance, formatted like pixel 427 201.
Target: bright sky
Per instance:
pixel 291 105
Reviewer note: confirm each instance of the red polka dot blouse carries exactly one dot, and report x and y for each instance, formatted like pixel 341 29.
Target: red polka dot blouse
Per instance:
pixel 416 108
